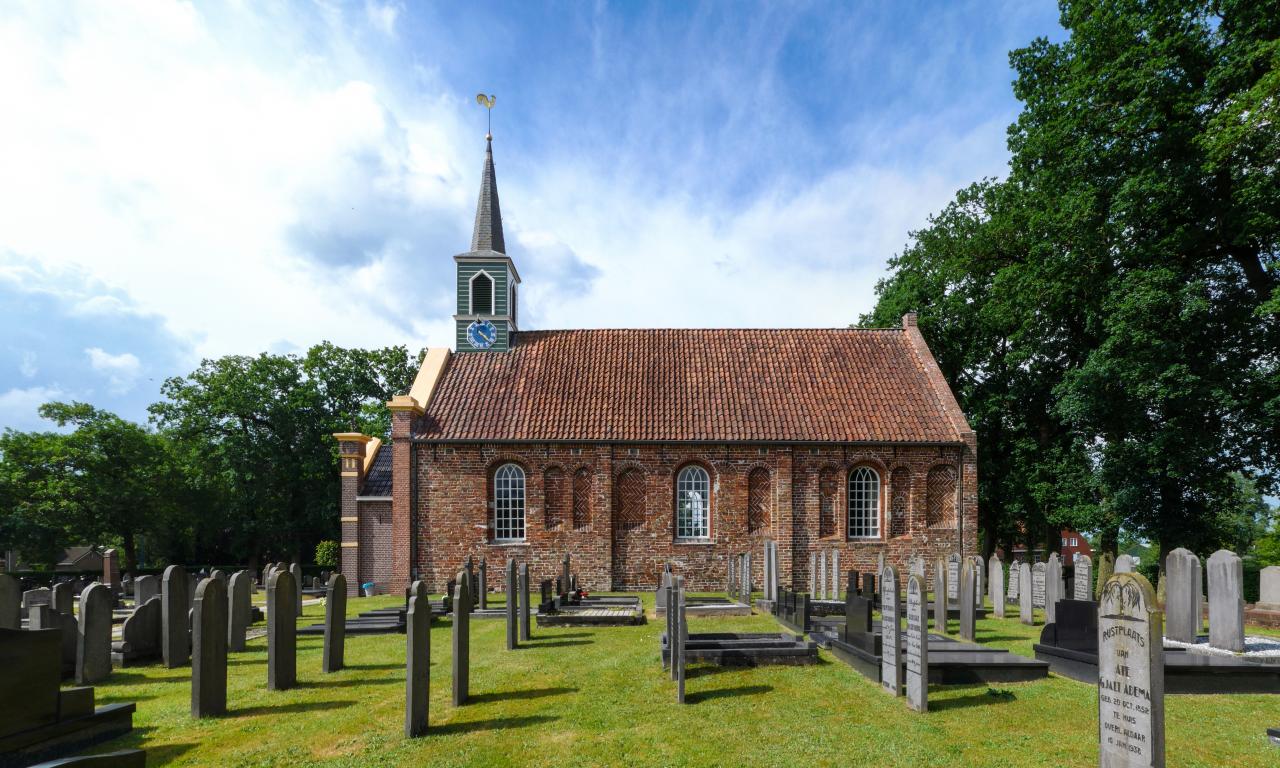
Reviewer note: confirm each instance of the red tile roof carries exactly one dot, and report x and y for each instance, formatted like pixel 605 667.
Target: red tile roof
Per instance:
pixel 822 385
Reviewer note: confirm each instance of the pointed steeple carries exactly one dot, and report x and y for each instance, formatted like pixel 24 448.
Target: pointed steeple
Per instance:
pixel 487 235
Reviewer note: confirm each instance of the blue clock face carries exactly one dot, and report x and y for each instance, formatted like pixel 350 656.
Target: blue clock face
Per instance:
pixel 482 334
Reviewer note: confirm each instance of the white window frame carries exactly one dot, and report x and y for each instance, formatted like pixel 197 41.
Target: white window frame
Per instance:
pixel 493 298
pixel 509 503
pixel 693 504
pixel 863 501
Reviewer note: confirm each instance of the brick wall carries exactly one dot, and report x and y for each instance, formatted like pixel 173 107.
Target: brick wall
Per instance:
pixel 375 549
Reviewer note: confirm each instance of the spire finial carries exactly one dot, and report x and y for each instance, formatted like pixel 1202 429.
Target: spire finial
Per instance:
pixel 487 235
pixel 487 103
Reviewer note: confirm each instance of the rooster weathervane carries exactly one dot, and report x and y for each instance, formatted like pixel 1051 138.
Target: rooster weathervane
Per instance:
pixel 487 103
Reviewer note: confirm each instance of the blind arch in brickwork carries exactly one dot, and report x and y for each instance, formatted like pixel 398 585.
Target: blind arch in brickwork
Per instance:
pixel 828 489
pixel 581 499
pixel 900 501
pixel 759 500
pixel 941 497
pixel 553 497
pixel 629 500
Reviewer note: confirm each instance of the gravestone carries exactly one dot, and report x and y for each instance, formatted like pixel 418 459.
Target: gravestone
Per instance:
pixel 1200 598
pixel 822 575
pixel 1038 585
pixel 1226 601
pixel 335 623
pixel 145 588
pixel 678 644
pixel 111 571
pixel 730 583
pixel 191 599
pixel 968 593
pixel 1082 581
pixel 38 596
pixel 10 602
pixel 746 578
pixel 462 637
pixel 239 610
pixel 1268 588
pixel 483 592
pixel 668 589
pixel 1015 578
pixel 44 617
pixel 296 571
pixel 417 662
pixel 282 631
pixel 1052 587
pixel 564 570
pixel 1130 674
pixel 813 573
pixel 1026 614
pixel 953 578
pixel 209 649
pixel 1106 567
pixel 915 565
pixel 220 575
pixel 141 635
pixel 174 628
pixel 62 598
pixel 93 639
pixel 513 616
pixel 917 642
pixel 526 625
pixel 1124 564
pixel 1181 596
pixel 979 579
pixel 995 585
pixel 835 574
pixel 940 591
pixel 890 631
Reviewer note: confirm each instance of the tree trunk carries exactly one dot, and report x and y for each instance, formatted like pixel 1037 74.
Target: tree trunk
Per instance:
pixel 130 546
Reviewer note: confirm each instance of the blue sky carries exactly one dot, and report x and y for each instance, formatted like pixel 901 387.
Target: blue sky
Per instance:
pixel 185 181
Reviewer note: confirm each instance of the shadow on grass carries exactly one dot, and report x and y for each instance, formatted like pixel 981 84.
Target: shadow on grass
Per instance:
pixel 977 699
pixel 317 684
pixel 559 636
pixel 565 644
pixel 707 671
pixel 496 724
pixel 532 693
pixel 721 693
pixel 374 666
pixel 986 638
pixel 157 754
pixel 280 709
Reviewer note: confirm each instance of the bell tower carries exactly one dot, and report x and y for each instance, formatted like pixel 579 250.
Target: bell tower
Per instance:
pixel 487 278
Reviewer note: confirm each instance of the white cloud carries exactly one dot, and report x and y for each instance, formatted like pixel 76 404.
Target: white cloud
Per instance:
pixel 18 407
pixel 28 367
pixel 121 371
pixel 382 15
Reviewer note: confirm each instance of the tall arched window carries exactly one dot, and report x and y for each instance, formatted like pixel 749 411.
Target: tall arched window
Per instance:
pixel 693 503
pixel 508 503
pixel 481 294
pixel 864 503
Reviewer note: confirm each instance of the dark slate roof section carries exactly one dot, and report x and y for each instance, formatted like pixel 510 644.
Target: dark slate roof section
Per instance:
pixel 793 385
pixel 377 481
pixel 487 235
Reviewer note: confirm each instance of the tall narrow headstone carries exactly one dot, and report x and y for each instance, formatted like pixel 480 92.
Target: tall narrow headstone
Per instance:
pixel 917 645
pixel 813 573
pixel 968 593
pixel 1038 585
pixel 526 631
pixel 462 638
pixel 93 638
pixel 995 584
pixel 564 570
pixel 746 578
pixel 1130 674
pixel 669 586
pixel 513 616
pixel 1268 588
pixel 1181 596
pixel 239 609
pixel 209 649
pixel 890 632
pixel 1026 606
pixel 296 570
pixel 282 631
pixel 835 575
pixel 1052 587
pixel 1015 577
pixel 822 575
pixel 1124 564
pixel 10 602
pixel 1200 598
pixel 681 637
pixel 1226 601
pixel 417 661
pixel 111 571
pixel 1082 581
pixel 335 624
pixel 173 590
pixel 483 593
pixel 979 580
pixel 62 598
pixel 953 578
pixel 940 590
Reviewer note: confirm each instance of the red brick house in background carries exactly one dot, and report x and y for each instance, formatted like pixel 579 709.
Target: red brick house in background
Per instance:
pixel 631 448
pixel 1074 544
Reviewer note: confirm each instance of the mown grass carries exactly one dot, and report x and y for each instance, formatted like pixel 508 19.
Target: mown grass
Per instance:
pixel 600 697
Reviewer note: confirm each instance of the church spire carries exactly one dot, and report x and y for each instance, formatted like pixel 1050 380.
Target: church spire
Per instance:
pixel 487 235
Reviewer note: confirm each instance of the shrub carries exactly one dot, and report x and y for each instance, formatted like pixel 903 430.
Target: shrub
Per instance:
pixel 327 553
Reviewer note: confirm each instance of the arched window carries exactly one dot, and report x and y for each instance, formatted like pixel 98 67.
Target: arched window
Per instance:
pixel 758 496
pixel 864 503
pixel 553 493
pixel 481 294
pixel 581 499
pixel 508 503
pixel 693 503
pixel 940 506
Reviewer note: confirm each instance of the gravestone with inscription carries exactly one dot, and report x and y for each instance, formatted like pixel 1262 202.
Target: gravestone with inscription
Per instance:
pixel 917 644
pixel 953 578
pixel 890 632
pixel 968 593
pixel 1082 581
pixel 1052 587
pixel 941 587
pixel 822 575
pixel 1026 612
pixel 1015 581
pixel 835 575
pixel 995 584
pixel 979 580
pixel 813 573
pixel 1130 674
pixel 1038 585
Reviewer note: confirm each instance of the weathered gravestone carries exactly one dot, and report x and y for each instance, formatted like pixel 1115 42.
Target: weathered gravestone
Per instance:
pixel 1026 612
pixel 835 574
pixel 1130 674
pixel 968 592
pixel 1015 581
pixel 282 631
pixel 679 642
pixel 417 662
pixel 1181 595
pixel 813 573
pixel 335 623
pixel 141 636
pixel 1082 581
pixel 38 596
pixel 209 649
pixel 482 593
pixel 174 629
pixel 462 638
pixel 953 578
pixel 1269 588
pixel 917 643
pixel 1038 585
pixel 526 624
pixel 221 576
pixel 1124 564
pixel 513 616
pixel 62 598
pixel 564 570
pixel 144 588
pixel 746 579
pixel 1052 587
pixel 890 631
pixel 296 571
pixel 93 639
pixel 1226 601
pixel 979 579
pixel 239 609
pixel 10 602
pixel 44 617
pixel 940 591
pixel 995 585
pixel 822 575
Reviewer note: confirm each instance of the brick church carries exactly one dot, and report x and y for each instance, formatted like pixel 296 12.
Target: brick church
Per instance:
pixel 631 448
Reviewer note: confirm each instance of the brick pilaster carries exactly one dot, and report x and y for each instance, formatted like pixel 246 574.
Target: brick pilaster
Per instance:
pixel 404 410
pixel 351 455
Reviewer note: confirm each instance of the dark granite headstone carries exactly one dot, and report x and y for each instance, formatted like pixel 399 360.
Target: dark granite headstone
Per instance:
pixel 93 641
pixel 282 631
pixel 173 626
pixel 62 598
pixel 417 662
pixel 239 609
pixel 548 600
pixel 209 649
pixel 144 588
pixel 32 664
pixel 335 623
pixel 1076 628
pixel 141 635
pixel 461 640
pixel 513 619
pixel 680 638
pixel 296 571
pixel 482 591
pixel 525 611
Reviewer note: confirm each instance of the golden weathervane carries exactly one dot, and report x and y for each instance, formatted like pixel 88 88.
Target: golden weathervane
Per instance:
pixel 487 103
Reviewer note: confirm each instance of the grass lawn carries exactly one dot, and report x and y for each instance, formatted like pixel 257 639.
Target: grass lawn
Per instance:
pixel 599 696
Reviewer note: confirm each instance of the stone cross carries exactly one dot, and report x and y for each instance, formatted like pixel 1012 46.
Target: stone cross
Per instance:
pixel 462 638
pixel 995 584
pixel 417 661
pixel 296 570
pixel 917 643
pixel 513 604
pixel 940 591
pixel 335 624
pixel 1124 564
pixel 10 602
pixel 968 592
pixel 483 592
pixel 1226 601
pixel 526 625
pixel 1053 588
pixel 1082 582
pixel 1182 594
pixel 890 631
pixel 239 609
pixel 1026 612
pixel 282 631
pixel 1130 674
pixel 1268 588
pixel 173 590
pixel 209 649
pixel 93 638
